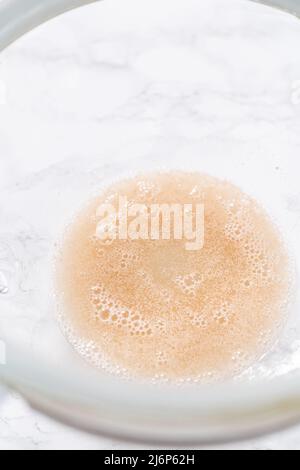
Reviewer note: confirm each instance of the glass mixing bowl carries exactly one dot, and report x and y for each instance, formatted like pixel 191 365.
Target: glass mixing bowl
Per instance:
pixel 122 86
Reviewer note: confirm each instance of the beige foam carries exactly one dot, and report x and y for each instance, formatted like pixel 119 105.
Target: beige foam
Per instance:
pixel 153 309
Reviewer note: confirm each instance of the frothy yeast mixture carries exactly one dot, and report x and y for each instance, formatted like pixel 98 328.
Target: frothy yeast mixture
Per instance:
pixel 153 309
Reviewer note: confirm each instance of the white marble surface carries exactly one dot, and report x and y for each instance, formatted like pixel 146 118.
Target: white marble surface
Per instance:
pixel 127 75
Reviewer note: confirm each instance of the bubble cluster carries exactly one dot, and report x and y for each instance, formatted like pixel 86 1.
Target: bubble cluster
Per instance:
pixel 190 283
pixel 152 309
pixel 106 310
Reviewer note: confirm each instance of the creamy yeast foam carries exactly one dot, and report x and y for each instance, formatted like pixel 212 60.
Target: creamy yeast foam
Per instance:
pixel 152 309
